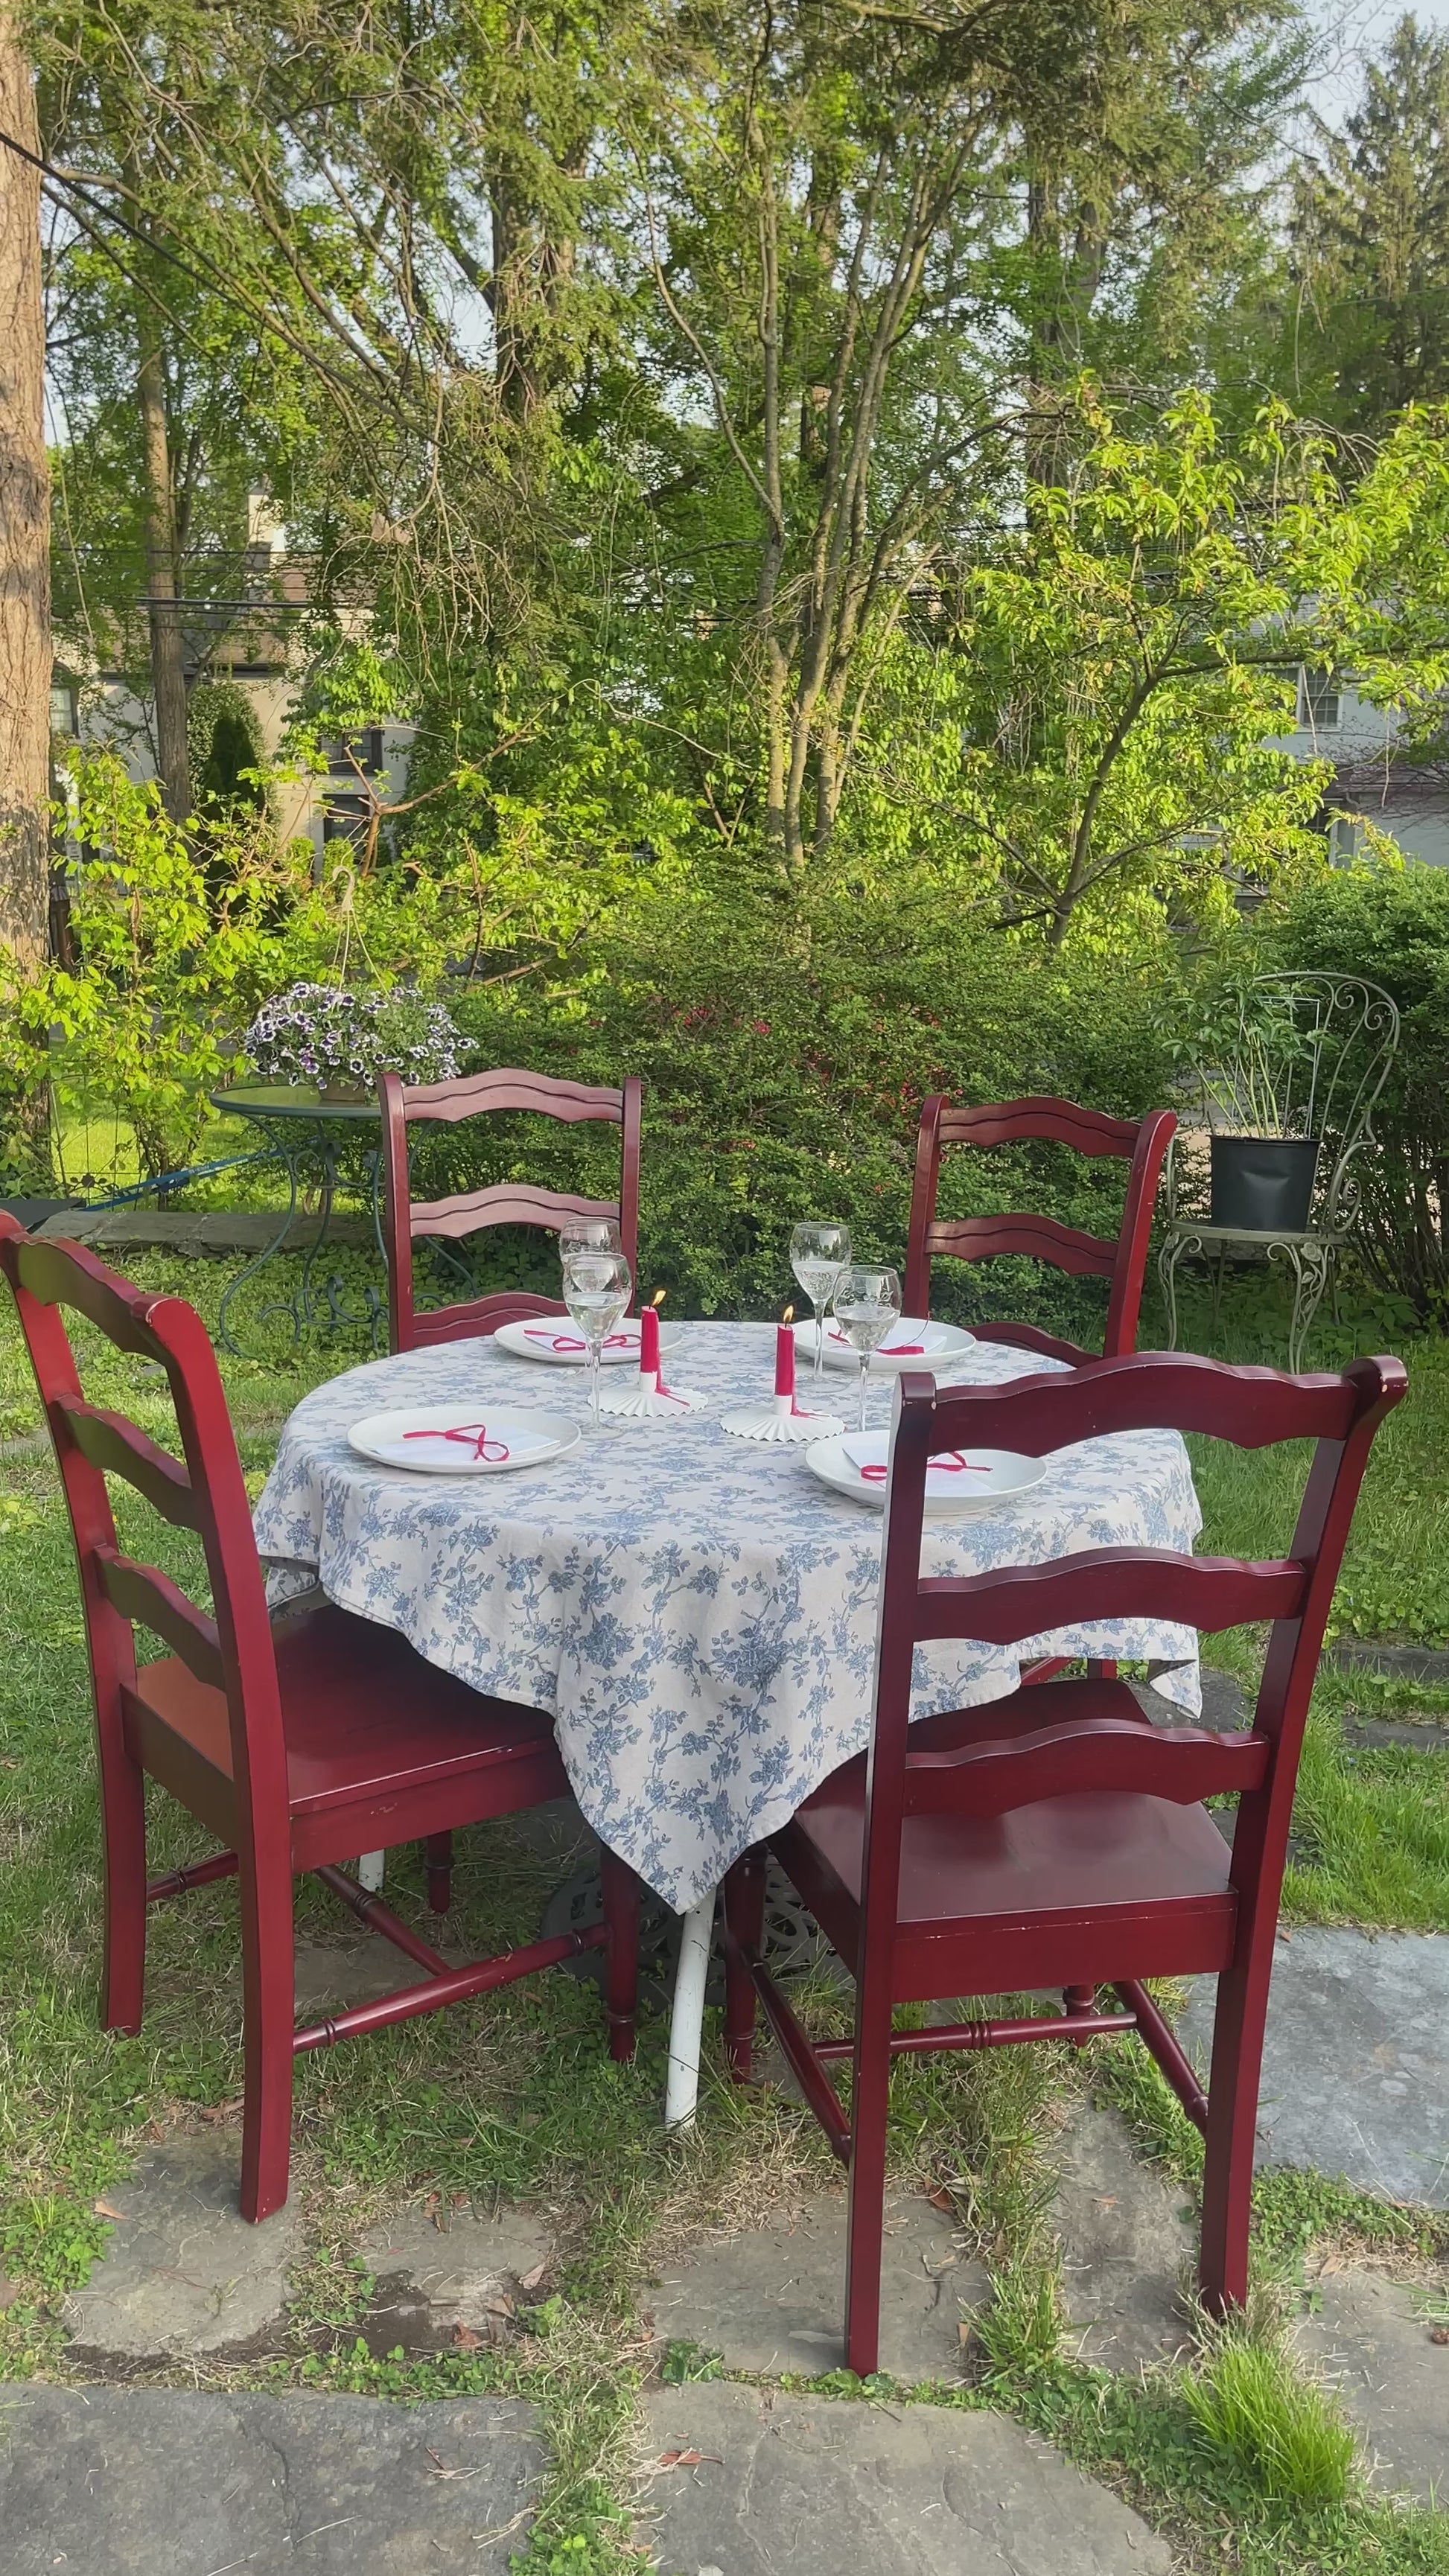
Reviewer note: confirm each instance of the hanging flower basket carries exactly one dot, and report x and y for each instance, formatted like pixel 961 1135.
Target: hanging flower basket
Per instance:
pixel 326 1036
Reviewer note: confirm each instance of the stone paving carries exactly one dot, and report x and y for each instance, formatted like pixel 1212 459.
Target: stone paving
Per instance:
pixel 735 2480
pixel 172 2482
pixel 748 2482
pixel 183 2274
pixel 1356 2060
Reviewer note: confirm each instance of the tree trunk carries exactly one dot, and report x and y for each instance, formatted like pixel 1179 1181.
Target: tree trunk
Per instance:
pixel 24 530
pixel 163 585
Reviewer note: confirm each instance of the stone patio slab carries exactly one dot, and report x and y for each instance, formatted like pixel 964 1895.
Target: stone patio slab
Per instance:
pixel 469 2273
pixel 1356 2063
pixel 1127 2241
pixel 798 2486
pixel 169 2482
pixel 183 2272
pixel 1372 2342
pixel 773 2298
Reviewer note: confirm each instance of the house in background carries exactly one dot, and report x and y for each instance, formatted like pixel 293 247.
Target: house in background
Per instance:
pixel 248 639
pixel 1376 780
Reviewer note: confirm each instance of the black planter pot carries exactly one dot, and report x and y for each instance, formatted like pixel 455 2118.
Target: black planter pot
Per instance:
pixel 1262 1184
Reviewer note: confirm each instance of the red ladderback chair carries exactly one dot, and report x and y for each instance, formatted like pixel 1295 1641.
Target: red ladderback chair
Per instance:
pixel 1058 1839
pixel 1142 1145
pixel 476 1095
pixel 297 1747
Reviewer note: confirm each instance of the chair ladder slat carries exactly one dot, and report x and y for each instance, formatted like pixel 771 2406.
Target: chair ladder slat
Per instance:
pixel 115 1445
pixel 145 1594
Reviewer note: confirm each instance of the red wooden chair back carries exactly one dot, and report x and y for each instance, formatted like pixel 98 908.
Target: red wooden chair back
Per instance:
pixel 506 1203
pixel 229 1649
pixel 1141 1144
pixel 1249 1407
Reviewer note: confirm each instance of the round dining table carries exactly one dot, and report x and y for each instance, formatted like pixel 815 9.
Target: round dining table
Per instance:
pixel 695 1611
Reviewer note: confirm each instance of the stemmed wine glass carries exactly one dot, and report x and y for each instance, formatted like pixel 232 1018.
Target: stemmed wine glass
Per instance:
pixel 867 1304
pixel 597 1287
pixel 589 1234
pixel 818 1255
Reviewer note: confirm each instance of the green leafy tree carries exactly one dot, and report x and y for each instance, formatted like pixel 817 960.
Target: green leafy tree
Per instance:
pixel 1127 656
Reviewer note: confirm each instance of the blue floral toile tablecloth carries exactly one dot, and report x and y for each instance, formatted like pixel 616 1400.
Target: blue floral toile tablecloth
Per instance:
pixel 697 1613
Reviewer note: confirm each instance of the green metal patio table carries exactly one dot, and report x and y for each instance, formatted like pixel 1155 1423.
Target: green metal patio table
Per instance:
pixel 304 1135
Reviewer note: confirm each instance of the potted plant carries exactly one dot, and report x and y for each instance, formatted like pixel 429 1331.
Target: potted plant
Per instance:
pixel 1263 1160
pixel 339 1041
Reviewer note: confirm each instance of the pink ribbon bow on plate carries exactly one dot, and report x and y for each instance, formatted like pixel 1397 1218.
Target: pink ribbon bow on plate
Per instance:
pixel 492 1452
pixel 950 1461
pixel 575 1342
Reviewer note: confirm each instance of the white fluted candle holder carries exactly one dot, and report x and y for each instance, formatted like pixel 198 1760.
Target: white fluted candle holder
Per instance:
pixel 779 1421
pixel 645 1400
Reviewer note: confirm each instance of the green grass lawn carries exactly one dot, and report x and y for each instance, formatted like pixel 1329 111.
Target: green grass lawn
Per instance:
pixel 514 2097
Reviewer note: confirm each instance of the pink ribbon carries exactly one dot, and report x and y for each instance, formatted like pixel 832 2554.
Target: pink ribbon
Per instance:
pixel 886 1350
pixel 493 1452
pixel 950 1461
pixel 572 1342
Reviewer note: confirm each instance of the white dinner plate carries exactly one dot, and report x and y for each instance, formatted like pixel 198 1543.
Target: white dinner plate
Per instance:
pixel 976 1481
pixel 914 1342
pixel 417 1438
pixel 556 1340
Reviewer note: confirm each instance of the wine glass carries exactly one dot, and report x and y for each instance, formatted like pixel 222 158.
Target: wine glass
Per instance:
pixel 867 1304
pixel 588 1234
pixel 818 1254
pixel 597 1287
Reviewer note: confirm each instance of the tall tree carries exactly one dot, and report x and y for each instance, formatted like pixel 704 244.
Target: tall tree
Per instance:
pixel 1367 322
pixel 24 523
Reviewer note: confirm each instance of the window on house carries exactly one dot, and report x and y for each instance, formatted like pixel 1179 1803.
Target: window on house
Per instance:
pixel 1345 840
pixel 63 714
pixel 365 748
pixel 346 818
pixel 1318 701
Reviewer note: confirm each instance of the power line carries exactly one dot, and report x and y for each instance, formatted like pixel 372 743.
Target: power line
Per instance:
pixel 72 188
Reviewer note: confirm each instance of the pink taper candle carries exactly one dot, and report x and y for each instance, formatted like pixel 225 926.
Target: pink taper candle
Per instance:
pixel 785 1357
pixel 649 1342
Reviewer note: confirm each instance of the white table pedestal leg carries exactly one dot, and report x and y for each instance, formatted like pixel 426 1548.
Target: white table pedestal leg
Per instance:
pixel 369 1871
pixel 686 2025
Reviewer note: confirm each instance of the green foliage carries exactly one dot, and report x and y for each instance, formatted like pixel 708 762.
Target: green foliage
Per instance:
pixel 1283 2432
pixel 785 1079
pixel 1392 927
pixel 228 755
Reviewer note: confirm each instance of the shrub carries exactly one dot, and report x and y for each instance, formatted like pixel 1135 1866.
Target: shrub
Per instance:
pixel 785 1079
pixel 1390 926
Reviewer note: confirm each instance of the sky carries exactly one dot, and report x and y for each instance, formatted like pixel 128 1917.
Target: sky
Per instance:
pixel 1352 32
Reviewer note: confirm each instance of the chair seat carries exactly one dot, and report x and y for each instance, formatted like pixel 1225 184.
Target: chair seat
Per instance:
pixel 365 1718
pixel 1062 1892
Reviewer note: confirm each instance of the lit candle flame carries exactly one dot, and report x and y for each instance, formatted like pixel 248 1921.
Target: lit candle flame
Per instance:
pixel 789 1315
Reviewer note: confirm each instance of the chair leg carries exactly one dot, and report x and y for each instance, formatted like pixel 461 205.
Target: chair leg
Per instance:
pixel 866 2221
pixel 123 1966
pixel 1232 2121
pixel 269 2014
pixel 744 1906
pixel 1077 2000
pixel 621 1914
pixel 438 1853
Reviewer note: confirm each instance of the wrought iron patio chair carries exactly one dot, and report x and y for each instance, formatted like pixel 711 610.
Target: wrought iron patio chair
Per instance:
pixel 1325 1044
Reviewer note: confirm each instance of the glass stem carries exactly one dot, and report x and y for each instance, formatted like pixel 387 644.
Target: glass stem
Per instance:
pixel 595 1354
pixel 864 1374
pixel 819 1306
